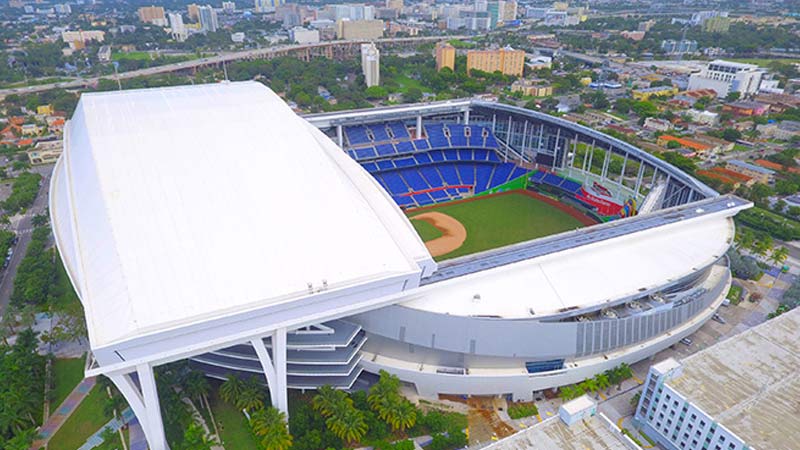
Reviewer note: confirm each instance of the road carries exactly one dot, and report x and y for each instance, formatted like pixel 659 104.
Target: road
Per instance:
pixel 23 228
pixel 209 61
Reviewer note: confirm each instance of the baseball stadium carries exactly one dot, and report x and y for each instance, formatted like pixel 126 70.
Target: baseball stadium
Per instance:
pixel 467 246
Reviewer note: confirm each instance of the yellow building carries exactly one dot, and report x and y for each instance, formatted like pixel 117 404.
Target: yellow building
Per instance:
pixel 445 56
pixel 44 110
pixel 658 91
pixel 46 152
pixel 359 29
pixel 153 15
pixel 534 88
pixel 506 60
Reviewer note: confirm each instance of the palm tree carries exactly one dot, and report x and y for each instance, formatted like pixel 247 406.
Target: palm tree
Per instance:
pixel 400 414
pixel 348 424
pixel 252 396
pixel 231 389
pixel 269 425
pixel 602 382
pixel 388 385
pixel 624 372
pixel 329 400
pixel 779 255
pixel 197 387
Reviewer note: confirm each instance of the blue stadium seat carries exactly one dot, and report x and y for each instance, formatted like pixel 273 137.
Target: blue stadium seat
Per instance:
pixel 356 135
pixel 404 147
pixel 399 130
pixel 451 155
pixel 480 155
pixel 370 166
pixel 436 155
pixel 449 173
pixel 436 135
pixel 466 154
pixel 467 173
pixel 439 195
pixel 457 137
pixel 395 183
pixel 571 186
pixel 491 142
pixel 423 199
pixel 351 153
pixel 405 162
pixel 422 158
pixel 537 176
pixel 365 153
pixel 501 173
pixel 493 156
pixel 403 200
pixel 385 149
pixel 552 179
pixel 432 175
pixel 379 131
pixel 385 164
pixel 518 172
pixel 414 180
pixel 421 144
pixel 483 173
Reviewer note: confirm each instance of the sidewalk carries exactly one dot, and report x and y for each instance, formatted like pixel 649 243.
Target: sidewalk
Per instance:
pixel 63 412
pixel 136 435
pixel 115 424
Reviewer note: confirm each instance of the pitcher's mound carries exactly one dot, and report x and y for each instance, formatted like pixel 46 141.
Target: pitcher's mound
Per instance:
pixel 453 233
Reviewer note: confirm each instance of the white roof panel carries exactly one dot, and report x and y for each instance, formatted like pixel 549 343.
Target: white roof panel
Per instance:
pixel 585 276
pixel 177 204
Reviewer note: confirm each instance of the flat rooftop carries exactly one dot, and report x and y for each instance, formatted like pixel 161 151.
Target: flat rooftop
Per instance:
pixel 750 383
pixel 594 433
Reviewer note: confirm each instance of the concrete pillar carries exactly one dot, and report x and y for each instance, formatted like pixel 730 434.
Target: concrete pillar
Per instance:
pixel 419 127
pixel 279 353
pixel 340 136
pixel 144 403
pixel 466 117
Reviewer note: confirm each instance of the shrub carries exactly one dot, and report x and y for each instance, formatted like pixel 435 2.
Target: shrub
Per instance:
pixel 520 410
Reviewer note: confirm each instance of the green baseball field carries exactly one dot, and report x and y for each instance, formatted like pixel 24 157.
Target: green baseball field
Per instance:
pixel 492 222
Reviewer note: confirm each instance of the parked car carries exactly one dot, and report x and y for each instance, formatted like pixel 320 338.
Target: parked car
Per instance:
pixel 686 341
pixel 718 318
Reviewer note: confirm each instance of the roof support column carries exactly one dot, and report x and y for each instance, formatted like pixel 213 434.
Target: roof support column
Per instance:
pixel 274 368
pixel 339 136
pixel 144 403
pixel 279 353
pixel 466 117
pixel 419 127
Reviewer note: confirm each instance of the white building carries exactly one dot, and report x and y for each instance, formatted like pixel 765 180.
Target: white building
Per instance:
pixel 302 35
pixel 703 117
pixel 208 18
pixel 371 64
pixel 177 27
pixel 264 6
pixel 228 7
pixel 738 394
pixel 237 37
pixel 727 76
pixel 63 9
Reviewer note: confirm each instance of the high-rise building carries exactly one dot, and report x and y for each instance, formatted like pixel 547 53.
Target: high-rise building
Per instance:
pixel 359 29
pixel 371 64
pixel 262 6
pixel 495 10
pixel 397 5
pixel 509 12
pixel 727 76
pixel 63 8
pixel 445 56
pixel 193 11
pixel 506 60
pixel 153 15
pixel 228 7
pixel 738 394
pixel 179 32
pixel 672 47
pixel 208 19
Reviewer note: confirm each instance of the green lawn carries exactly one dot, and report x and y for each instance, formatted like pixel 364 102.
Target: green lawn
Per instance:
pixel 233 427
pixel 67 373
pixel 131 56
pixel 520 410
pixel 425 230
pixel 764 62
pixel 507 219
pixel 84 422
pixel 735 294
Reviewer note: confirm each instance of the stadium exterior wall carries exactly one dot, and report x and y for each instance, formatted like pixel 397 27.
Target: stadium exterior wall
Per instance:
pixel 521 385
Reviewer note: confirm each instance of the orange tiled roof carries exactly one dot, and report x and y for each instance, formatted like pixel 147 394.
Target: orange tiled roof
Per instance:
pixel 769 164
pixel 688 143
pixel 731 174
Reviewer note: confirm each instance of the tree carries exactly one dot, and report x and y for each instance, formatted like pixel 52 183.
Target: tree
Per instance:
pixel 252 396
pixel 194 438
pixel 231 389
pixel 329 400
pixel 779 255
pixel 269 425
pixel 400 414
pixel 732 96
pixel 635 399
pixel 731 134
pixel 375 93
pixel 413 95
pixel 348 424
pixel 602 381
